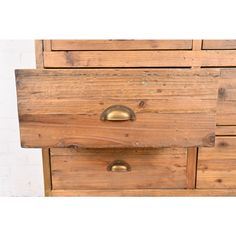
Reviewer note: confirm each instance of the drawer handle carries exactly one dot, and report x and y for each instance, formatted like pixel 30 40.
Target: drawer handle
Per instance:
pixel 119 166
pixel 118 113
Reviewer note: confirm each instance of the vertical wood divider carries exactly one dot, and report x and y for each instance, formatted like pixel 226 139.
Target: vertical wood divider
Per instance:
pixel 39 54
pixel 47 47
pixel 192 153
pixel 47 171
pixel 191 167
pixel 39 48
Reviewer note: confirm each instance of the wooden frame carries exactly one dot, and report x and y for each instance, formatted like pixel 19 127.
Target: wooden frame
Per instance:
pixel 198 45
pixel 145 193
pixel 39 48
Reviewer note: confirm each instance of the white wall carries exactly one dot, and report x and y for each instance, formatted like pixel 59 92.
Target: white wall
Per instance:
pixel 20 169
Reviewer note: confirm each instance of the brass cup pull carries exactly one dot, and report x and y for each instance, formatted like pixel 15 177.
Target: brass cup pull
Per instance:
pixel 119 166
pixel 118 113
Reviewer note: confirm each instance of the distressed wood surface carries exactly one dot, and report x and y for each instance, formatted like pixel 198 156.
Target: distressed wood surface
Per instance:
pixel 226 130
pixel 191 167
pixel 145 193
pixel 197 45
pixel 60 108
pixel 47 47
pixel 39 53
pixel 150 168
pixel 219 44
pixel 226 106
pixel 46 170
pixel 204 58
pixel 217 165
pixel 120 44
pixel 192 151
pixel 225 109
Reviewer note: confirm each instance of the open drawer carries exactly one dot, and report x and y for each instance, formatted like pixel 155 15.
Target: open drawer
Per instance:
pixel 117 107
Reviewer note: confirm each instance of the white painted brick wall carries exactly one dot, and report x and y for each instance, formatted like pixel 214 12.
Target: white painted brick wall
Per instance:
pixel 20 169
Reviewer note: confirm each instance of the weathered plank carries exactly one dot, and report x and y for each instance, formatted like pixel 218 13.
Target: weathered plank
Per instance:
pixel 145 192
pixel 204 58
pixel 120 44
pixel 39 53
pixel 46 170
pixel 47 47
pixel 191 167
pixel 226 106
pixel 59 108
pixel 226 130
pixel 150 168
pixel 217 165
pixel 219 44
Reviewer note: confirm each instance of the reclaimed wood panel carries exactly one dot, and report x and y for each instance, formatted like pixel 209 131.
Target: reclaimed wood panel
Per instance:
pixel 227 130
pixel 145 193
pixel 47 45
pixel 150 168
pixel 191 167
pixel 219 44
pixel 204 58
pixel 217 165
pixel 61 108
pixel 46 170
pixel 121 44
pixel 226 106
pixel 39 53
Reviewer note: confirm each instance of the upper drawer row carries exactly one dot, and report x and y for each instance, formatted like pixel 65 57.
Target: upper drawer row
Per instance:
pixel 93 45
pixel 137 53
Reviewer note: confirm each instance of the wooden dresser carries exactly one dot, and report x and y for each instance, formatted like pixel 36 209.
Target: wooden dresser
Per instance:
pixel 132 117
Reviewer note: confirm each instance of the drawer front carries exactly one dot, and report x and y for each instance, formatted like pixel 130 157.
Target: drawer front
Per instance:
pixel 91 168
pixel 141 58
pixel 226 107
pixel 166 108
pixel 217 165
pixel 219 44
pixel 87 45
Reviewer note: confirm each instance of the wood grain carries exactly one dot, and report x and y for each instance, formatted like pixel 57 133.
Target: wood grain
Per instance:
pixel 81 59
pixel 226 106
pixel 145 193
pixel 217 166
pixel 60 108
pixel 226 130
pixel 46 171
pixel 225 109
pixel 120 44
pixel 197 45
pixel 47 47
pixel 45 152
pixel 219 44
pixel 39 53
pixel 150 168
pixel 191 167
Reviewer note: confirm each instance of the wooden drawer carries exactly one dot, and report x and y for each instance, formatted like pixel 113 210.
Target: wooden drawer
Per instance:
pixel 137 53
pixel 139 58
pixel 219 44
pixel 167 108
pixel 115 53
pixel 226 107
pixel 217 165
pixel 104 45
pixel 90 168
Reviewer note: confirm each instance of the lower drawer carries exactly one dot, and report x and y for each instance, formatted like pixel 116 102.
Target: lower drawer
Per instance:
pixel 217 166
pixel 118 168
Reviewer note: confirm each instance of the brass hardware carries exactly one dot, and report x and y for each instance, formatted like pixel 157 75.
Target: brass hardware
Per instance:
pixel 117 113
pixel 119 166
